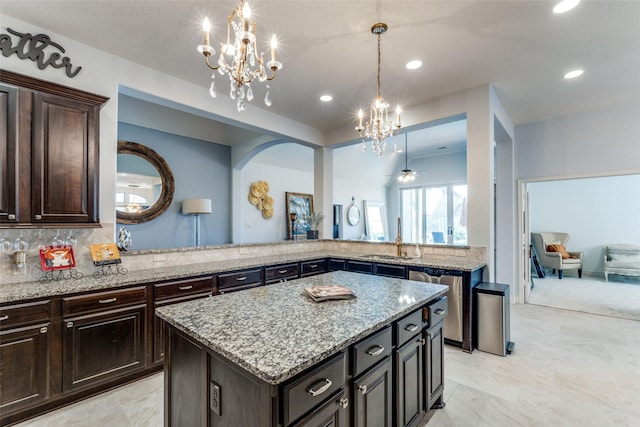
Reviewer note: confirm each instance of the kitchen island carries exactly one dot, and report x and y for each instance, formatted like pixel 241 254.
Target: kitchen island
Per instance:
pixel 270 356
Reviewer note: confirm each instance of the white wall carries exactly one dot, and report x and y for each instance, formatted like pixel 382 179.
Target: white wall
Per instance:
pixel 343 190
pixel 594 211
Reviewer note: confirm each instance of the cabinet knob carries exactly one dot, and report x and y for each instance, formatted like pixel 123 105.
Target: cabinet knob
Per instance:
pixel 43 330
pixel 363 389
pixel 422 341
pixel 37 217
pixel 69 324
pixel 439 311
pixel 344 403
pixel 11 216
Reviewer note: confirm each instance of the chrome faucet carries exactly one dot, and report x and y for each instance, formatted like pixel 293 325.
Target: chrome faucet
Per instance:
pixel 399 239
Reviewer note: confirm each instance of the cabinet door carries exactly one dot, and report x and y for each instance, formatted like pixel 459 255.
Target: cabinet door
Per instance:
pixel 331 414
pixel 24 367
pixel 102 346
pixel 372 403
pixel 158 325
pixel 64 187
pixel 8 154
pixel 434 367
pixel 409 383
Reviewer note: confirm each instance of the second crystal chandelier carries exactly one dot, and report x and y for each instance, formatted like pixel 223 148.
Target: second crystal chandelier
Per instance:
pixel 379 127
pixel 240 60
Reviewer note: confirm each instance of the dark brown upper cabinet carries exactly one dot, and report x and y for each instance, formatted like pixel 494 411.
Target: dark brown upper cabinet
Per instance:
pixel 49 152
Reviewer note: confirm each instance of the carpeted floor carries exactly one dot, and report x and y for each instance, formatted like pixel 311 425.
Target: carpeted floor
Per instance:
pixel 619 297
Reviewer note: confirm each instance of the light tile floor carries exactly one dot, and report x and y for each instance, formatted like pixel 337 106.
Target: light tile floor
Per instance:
pixel 568 369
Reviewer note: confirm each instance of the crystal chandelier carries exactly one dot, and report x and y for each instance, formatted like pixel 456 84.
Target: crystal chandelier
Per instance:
pixel 240 59
pixel 379 127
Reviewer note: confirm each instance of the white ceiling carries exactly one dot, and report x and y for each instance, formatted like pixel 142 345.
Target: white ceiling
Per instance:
pixel 520 46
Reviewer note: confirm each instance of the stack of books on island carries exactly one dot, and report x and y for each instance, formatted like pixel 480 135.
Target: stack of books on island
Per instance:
pixel 329 292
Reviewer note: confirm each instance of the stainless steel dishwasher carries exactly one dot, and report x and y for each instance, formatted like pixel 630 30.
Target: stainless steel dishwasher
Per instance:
pixel 453 319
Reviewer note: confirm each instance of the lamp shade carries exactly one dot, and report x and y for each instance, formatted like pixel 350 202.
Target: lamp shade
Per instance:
pixel 196 206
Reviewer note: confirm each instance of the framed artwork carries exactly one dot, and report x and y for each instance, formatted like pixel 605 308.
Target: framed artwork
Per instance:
pixel 299 206
pixel 58 258
pixel 105 253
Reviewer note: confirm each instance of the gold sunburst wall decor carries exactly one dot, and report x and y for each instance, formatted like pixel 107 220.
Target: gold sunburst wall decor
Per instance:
pixel 259 197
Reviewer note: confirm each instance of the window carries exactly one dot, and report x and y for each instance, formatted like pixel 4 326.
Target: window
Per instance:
pixel 435 214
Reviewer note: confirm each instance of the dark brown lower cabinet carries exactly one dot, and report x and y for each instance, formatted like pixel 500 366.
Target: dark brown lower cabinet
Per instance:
pixel 408 365
pixel 331 414
pixel 102 346
pixel 434 366
pixel 24 367
pixel 372 397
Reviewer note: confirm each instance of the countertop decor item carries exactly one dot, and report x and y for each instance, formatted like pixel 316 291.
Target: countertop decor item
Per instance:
pixel 314 220
pixel 378 127
pixel 246 63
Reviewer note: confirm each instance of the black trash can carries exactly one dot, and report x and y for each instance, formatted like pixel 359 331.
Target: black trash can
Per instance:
pixel 493 319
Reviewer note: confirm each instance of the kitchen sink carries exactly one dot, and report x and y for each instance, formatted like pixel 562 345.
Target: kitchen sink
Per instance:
pixel 376 256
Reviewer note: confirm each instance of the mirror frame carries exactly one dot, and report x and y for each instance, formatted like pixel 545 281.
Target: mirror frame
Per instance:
pixel 168 184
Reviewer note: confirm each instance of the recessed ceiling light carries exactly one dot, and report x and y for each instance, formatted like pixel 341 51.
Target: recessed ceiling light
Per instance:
pixel 573 74
pixel 326 98
pixel 414 64
pixel 565 6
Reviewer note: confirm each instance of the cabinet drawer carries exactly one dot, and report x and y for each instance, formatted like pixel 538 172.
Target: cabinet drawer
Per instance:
pixel 243 279
pixel 181 288
pixel 22 314
pixel 407 327
pixel 310 268
pixel 103 300
pixel 360 267
pixel 371 350
pixel 435 312
pixel 281 272
pixel 337 265
pixel 312 388
pixel 389 270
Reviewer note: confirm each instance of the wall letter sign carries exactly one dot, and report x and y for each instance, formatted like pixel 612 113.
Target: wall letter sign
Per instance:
pixel 32 47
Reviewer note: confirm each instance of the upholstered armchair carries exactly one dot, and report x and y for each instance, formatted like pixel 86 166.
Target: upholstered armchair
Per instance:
pixel 560 259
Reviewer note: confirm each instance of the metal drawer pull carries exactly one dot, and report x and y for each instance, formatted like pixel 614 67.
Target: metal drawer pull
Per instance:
pixel 314 266
pixel 186 288
pixel 38 217
pixel 439 311
pixel 107 301
pixel 240 279
pixel 69 324
pixel 363 389
pixel 322 389
pixel 422 341
pixel 411 327
pixel 282 271
pixel 43 330
pixel 4 317
pixel 344 403
pixel 11 216
pixel 376 352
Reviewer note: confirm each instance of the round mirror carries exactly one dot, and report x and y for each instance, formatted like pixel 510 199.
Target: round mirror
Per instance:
pixel 144 184
pixel 353 215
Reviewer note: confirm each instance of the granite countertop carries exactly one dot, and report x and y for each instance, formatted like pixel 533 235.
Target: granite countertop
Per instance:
pixel 13 292
pixel 276 332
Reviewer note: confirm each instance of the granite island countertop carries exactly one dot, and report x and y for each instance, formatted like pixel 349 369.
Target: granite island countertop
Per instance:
pixel 24 291
pixel 275 331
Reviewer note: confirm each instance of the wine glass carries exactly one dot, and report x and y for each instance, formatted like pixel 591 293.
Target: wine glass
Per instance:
pixel 20 245
pixel 71 240
pixel 57 242
pixel 40 241
pixel 5 244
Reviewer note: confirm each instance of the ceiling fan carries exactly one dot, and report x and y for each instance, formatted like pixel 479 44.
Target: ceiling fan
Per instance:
pixel 406 175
